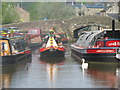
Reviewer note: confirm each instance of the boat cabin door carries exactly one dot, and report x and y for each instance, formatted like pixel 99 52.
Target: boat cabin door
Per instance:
pixel 4 48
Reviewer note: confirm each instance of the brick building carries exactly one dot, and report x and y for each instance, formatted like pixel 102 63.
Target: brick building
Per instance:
pixel 24 15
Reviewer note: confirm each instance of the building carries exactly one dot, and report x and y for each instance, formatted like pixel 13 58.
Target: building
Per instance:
pixel 88 9
pixel 24 15
pixel 111 11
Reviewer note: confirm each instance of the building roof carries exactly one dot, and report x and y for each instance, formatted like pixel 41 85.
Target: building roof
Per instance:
pixel 89 6
pixel 94 6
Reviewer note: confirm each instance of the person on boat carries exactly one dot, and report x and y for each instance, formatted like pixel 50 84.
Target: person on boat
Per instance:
pixel 52 34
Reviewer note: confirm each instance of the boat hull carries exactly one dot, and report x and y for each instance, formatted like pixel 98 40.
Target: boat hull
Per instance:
pixel 96 57
pixel 34 45
pixel 14 59
pixel 54 53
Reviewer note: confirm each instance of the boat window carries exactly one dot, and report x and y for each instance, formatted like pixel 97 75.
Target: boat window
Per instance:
pixel 96 36
pixel 87 39
pixel 88 36
pixel 93 41
pixel 17 35
pixel 90 39
pixel 20 44
pixel 15 28
pixel 33 32
pixel 80 39
pixel 109 34
pixel 85 29
pixel 62 35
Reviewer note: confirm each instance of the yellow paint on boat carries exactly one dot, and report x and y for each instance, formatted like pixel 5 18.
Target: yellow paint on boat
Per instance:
pixel 4 50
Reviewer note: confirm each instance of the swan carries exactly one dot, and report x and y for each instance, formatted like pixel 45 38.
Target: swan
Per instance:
pixel 84 65
pixel 117 72
pixel 118 56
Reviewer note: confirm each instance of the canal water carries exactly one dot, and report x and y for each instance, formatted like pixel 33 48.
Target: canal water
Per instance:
pixel 59 73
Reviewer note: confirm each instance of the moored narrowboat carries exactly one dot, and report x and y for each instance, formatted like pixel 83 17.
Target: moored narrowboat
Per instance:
pixel 35 37
pixel 13 50
pixel 64 37
pixel 52 49
pixel 97 46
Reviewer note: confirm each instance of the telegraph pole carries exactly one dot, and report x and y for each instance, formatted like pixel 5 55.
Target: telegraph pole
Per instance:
pixel 119 11
pixel 21 3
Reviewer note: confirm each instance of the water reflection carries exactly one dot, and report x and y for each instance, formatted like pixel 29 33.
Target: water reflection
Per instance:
pixel 51 67
pixel 6 80
pixel 8 71
pixel 52 60
pixel 105 75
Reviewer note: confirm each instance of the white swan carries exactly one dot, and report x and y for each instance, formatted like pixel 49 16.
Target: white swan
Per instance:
pixel 118 56
pixel 117 72
pixel 84 65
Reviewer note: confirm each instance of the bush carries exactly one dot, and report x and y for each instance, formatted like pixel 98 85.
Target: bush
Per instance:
pixel 9 14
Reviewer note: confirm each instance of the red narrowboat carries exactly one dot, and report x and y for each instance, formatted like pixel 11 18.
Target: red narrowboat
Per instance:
pixel 34 35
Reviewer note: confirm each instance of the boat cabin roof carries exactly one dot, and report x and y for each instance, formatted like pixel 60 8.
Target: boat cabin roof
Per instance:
pixel 15 38
pixel 90 37
pixel 86 37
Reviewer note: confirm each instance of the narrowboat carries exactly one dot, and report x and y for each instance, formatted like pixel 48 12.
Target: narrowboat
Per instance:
pixel 13 50
pixel 13 29
pixel 64 37
pixel 52 49
pixel 35 38
pixel 98 46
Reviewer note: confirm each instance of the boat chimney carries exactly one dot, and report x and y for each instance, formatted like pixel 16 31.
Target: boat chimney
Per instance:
pixel 113 28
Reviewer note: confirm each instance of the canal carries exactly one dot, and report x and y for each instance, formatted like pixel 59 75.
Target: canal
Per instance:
pixel 59 73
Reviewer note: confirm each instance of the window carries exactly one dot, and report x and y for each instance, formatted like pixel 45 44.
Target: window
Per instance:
pixel 20 44
pixel 79 41
pixel 33 32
